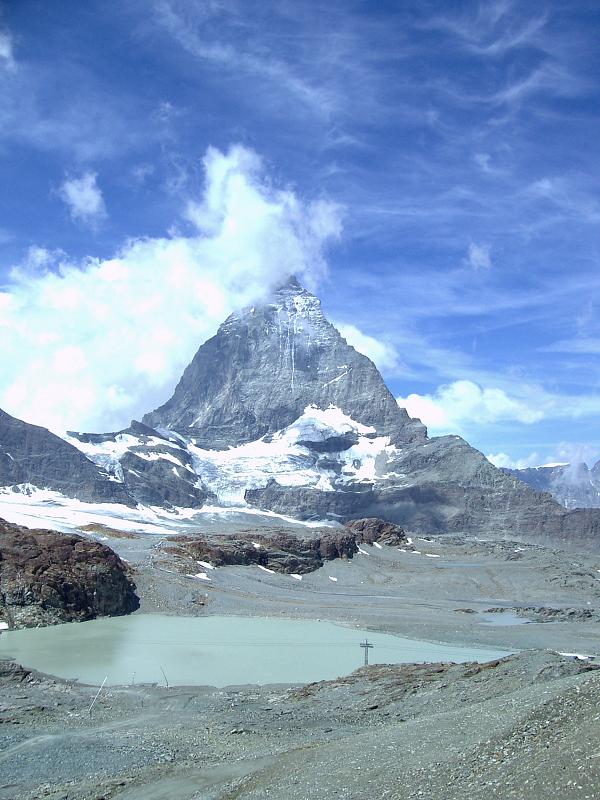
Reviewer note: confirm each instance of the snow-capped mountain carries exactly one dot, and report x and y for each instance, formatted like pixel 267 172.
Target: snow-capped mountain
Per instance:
pixel 277 414
pixel 265 365
pixel 572 485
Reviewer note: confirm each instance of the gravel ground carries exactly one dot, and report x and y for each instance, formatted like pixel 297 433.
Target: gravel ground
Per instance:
pixel 524 727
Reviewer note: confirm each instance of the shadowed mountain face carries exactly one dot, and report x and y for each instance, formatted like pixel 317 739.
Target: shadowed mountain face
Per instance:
pixel 30 454
pixel 265 365
pixel 572 485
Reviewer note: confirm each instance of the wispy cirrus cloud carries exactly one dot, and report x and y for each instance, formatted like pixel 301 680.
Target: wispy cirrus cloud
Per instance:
pixel 491 29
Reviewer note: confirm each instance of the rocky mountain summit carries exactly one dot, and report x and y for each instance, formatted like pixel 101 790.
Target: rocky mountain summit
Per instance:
pixel 277 413
pixel 572 485
pixel 265 365
pixel 48 577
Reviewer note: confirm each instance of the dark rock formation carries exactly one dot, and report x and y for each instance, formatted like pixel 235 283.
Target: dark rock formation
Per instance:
pixel 48 577
pixel 572 485
pixel 284 551
pixel 279 550
pixel 265 365
pixel 31 454
pixel 372 529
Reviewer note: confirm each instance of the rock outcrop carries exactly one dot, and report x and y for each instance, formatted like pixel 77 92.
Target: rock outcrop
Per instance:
pixel 48 577
pixel 283 551
pixel 278 550
pixel 372 529
pixel 265 365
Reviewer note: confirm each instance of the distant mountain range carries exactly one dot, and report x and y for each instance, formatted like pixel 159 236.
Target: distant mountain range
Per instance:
pixel 572 485
pixel 277 413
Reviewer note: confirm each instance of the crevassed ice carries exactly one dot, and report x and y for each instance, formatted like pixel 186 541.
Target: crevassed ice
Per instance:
pixel 284 457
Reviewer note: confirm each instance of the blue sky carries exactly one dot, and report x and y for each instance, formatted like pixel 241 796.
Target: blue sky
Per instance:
pixel 430 168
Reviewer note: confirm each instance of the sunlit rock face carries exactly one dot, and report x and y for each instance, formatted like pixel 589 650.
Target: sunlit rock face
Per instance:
pixel 265 365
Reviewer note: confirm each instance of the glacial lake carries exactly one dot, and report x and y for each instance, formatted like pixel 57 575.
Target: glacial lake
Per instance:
pixel 214 651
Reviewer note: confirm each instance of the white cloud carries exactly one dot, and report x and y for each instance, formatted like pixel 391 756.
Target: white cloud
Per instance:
pixel 84 198
pixel 383 354
pixel 92 345
pixel 504 460
pixel 479 256
pixel 6 50
pixel 458 406
pixel 570 453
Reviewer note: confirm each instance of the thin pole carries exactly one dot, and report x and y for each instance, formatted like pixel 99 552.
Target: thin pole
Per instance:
pixel 97 696
pixel 165 677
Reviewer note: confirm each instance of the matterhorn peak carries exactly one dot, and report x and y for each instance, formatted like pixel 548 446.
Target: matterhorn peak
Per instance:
pixel 265 365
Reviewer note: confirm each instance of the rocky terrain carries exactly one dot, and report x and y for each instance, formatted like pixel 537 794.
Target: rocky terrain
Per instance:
pixel 572 485
pixel 522 727
pixel 48 578
pixel 282 550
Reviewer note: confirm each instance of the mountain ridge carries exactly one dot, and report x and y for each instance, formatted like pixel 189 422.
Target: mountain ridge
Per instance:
pixel 572 485
pixel 278 414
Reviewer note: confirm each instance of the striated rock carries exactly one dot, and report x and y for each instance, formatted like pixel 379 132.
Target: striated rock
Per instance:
pixel 48 577
pixel 265 365
pixel 308 503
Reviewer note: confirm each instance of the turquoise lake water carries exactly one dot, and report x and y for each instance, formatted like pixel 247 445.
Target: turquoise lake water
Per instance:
pixel 214 651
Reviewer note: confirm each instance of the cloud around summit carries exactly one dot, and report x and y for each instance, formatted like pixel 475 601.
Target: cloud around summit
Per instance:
pixel 93 344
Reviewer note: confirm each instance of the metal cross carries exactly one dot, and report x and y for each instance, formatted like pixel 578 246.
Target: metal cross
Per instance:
pixel 367 646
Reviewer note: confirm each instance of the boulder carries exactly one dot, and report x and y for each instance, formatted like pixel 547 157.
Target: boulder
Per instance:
pixel 48 578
